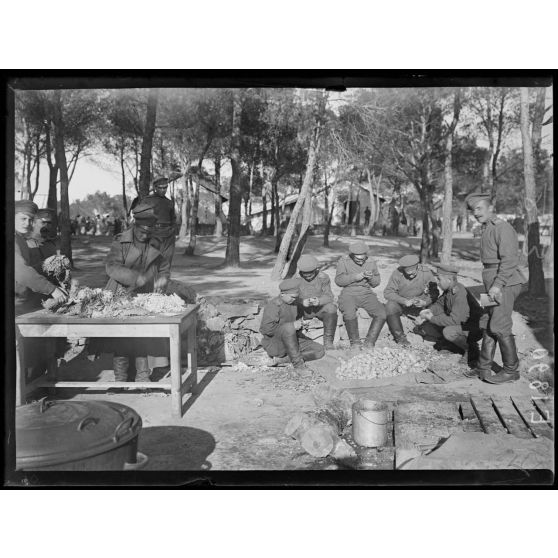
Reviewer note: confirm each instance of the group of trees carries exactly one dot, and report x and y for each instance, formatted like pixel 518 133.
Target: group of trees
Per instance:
pixel 433 144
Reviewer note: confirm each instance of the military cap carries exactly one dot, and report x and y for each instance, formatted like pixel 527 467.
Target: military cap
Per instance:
pixel 289 286
pixel 472 199
pixel 409 261
pixel 144 215
pixel 358 247
pixel 446 269
pixel 160 181
pixel 307 263
pixel 45 212
pixel 26 206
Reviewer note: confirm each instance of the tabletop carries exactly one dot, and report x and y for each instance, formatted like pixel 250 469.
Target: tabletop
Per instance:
pixel 45 317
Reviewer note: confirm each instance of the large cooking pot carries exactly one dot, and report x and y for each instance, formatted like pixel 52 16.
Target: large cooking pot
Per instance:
pixel 76 436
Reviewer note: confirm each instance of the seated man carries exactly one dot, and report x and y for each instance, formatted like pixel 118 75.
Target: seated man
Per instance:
pixel 281 328
pixel 358 276
pixel 316 297
pixel 43 241
pixel 412 286
pixel 448 317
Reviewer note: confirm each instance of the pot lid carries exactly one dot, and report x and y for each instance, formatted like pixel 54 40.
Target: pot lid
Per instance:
pixel 49 432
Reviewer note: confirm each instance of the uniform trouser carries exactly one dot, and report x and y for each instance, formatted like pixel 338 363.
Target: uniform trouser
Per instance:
pixel 349 304
pixel 309 350
pixel 319 311
pixel 460 335
pixel 165 245
pixel 393 307
pixel 498 319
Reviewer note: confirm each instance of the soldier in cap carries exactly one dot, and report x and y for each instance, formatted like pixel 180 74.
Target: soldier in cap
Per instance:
pixel 134 265
pixel 358 275
pixel 502 280
pixel 449 316
pixel 281 326
pixel 316 297
pixel 164 232
pixel 411 287
pixel 43 241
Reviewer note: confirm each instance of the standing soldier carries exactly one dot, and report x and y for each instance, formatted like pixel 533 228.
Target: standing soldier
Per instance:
pixel 316 297
pixel 411 287
pixel 164 234
pixel 282 326
pixel 448 317
pixel 502 281
pixel 358 276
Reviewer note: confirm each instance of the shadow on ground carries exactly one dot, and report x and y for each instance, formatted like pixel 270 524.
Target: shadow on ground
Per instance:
pixel 176 448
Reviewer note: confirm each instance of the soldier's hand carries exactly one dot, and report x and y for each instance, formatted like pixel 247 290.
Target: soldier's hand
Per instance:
pixel 141 280
pixel 359 276
pixel 307 302
pixel 59 295
pixel 426 314
pixel 314 301
pixel 160 285
pixel 298 324
pixel 409 302
pixel 419 302
pixel 495 293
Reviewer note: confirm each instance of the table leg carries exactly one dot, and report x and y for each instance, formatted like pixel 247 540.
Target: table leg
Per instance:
pixel 20 371
pixel 192 357
pixel 176 372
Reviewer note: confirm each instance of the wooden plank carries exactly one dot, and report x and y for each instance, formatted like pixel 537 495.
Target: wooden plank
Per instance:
pixel 470 421
pixel 514 422
pixel 95 330
pixel 489 419
pixel 531 416
pixel 545 406
pixel 99 385
pixel 176 373
pixel 192 351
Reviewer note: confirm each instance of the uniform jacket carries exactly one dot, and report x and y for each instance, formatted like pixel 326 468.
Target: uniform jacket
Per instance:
pixel 498 245
pixel 346 271
pixel 27 279
pixel 124 263
pixel 41 249
pixel 451 308
pixel 165 213
pixel 401 288
pixel 319 287
pixel 276 313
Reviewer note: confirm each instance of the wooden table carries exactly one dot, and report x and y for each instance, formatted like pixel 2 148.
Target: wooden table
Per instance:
pixel 43 324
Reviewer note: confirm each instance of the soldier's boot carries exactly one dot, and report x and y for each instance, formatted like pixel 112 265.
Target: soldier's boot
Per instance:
pixel 120 365
pixel 354 336
pixel 510 371
pixel 290 341
pixel 142 370
pixel 330 325
pixel 374 332
pixel 483 369
pixel 396 329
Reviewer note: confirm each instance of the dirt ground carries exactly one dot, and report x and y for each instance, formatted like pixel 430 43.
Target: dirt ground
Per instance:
pixel 236 419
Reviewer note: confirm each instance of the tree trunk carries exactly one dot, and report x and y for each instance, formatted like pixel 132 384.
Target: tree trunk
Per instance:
pixel 277 214
pixel 264 213
pixel 123 170
pixel 425 239
pixel 326 212
pixel 535 258
pixel 60 151
pixel 147 143
pixel 232 255
pixel 218 231
pixel 37 164
pixel 306 187
pixel 372 206
pixel 52 199
pixel 189 251
pixel 303 235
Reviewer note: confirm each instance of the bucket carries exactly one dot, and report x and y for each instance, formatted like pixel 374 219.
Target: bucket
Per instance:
pixel 370 420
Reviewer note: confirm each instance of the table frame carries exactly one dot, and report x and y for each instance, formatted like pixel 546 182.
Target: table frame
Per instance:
pixel 41 324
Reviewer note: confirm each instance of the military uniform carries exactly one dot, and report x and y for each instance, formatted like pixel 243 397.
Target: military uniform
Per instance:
pixel 357 293
pixel 279 336
pixel 164 233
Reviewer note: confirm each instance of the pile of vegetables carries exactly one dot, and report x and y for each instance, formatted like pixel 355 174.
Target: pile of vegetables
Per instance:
pixel 382 362
pixel 57 269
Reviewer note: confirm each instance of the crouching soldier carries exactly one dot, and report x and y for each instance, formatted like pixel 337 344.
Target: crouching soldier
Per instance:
pixel 448 317
pixel 316 297
pixel 411 287
pixel 358 275
pixel 281 328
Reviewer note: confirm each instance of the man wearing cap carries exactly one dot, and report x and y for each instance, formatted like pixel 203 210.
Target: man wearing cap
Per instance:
pixel 164 232
pixel 411 287
pixel 316 298
pixel 502 281
pixel 448 317
pixel 281 327
pixel 358 275
pixel 135 266
pixel 43 242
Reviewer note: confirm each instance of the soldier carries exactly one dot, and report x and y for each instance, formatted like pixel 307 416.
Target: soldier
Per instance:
pixel 165 227
pixel 358 276
pixel 281 328
pixel 502 280
pixel 134 265
pixel 43 242
pixel 316 297
pixel 412 286
pixel 449 316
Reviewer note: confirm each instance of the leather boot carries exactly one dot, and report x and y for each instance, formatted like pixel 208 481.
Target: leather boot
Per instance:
pixel 352 331
pixel 120 366
pixel 293 349
pixel 373 332
pixel 396 329
pixel 330 325
pixel 486 357
pixel 510 372
pixel 142 370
